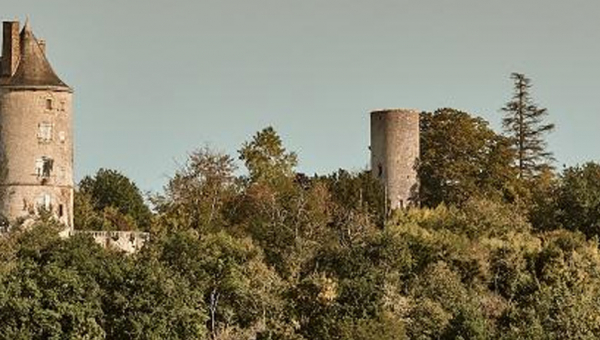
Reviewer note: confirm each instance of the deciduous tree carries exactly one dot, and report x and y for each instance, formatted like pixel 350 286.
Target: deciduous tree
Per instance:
pixel 461 157
pixel 109 189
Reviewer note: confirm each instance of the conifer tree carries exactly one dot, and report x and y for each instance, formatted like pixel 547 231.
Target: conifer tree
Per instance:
pixel 524 123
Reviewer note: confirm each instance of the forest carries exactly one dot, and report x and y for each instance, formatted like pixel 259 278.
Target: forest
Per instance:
pixel 501 246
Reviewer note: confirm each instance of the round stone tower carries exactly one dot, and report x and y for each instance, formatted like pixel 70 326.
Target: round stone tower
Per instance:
pixel 36 137
pixel 394 154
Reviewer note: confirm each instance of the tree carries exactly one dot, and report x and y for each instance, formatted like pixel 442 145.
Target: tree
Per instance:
pixel 274 207
pixel 542 205
pixel 577 199
pixel 524 123
pixel 266 159
pixel 462 157
pixel 107 191
pixel 357 192
pixel 145 299
pixel 197 195
pixel 57 288
pixel 240 291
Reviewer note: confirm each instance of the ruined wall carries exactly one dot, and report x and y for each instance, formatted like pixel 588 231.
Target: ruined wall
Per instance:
pixel 395 152
pixel 127 241
pixel 37 152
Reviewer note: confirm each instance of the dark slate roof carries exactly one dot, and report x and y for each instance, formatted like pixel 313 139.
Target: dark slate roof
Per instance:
pixel 33 69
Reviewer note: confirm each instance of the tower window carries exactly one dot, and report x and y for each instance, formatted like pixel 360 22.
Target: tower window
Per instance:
pixel 44 202
pixel 379 170
pixel 61 210
pixel 39 167
pixel 45 132
pixel 49 104
pixel 43 167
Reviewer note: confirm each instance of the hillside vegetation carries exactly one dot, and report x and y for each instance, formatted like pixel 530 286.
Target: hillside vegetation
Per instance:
pixel 274 254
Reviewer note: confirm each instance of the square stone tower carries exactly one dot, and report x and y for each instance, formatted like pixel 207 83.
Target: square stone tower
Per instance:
pixel 36 131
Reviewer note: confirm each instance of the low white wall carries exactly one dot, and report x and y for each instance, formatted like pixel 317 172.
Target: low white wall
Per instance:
pixel 127 241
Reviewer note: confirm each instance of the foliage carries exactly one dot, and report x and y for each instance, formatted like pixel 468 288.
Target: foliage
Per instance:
pixel 461 157
pixel 578 199
pixel 524 122
pixel 199 193
pixel 571 201
pixel 239 290
pixel 86 217
pixel 110 200
pixel 278 255
pixel 266 159
pixel 357 192
pixel 73 289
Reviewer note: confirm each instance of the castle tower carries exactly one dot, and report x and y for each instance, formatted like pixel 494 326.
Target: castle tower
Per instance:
pixel 394 154
pixel 36 139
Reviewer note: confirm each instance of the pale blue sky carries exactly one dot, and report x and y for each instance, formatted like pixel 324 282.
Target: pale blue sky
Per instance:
pixel 155 79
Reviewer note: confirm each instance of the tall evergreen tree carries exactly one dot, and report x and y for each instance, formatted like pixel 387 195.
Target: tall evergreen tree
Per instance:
pixel 524 123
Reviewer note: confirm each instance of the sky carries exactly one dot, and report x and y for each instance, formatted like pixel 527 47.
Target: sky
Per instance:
pixel 156 79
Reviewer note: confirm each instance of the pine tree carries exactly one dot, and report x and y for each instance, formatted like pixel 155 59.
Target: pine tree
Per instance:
pixel 524 123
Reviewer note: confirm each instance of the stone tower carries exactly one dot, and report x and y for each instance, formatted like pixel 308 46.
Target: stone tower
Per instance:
pixel 36 139
pixel 394 154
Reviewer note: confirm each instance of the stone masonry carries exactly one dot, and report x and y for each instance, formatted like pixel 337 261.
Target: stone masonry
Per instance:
pixel 394 154
pixel 36 132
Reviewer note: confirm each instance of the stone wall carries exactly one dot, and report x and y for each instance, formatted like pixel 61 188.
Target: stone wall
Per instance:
pixel 127 241
pixel 37 147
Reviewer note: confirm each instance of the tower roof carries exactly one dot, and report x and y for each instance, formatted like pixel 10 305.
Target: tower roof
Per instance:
pixel 33 68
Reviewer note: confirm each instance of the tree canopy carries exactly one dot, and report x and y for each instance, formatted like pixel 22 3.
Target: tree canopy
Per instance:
pixel 462 157
pixel 274 254
pixel 110 200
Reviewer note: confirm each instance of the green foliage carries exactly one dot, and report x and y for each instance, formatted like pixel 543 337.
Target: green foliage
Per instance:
pixel 73 289
pixel 475 218
pixel 461 157
pixel 359 192
pixel 110 200
pixel 284 213
pixel 266 159
pixel 199 193
pixel 147 300
pixel 279 256
pixel 523 122
pixel 387 327
pixel 571 201
pixel 560 291
pixel 541 204
pixel 578 199
pixel 87 217
pixel 239 290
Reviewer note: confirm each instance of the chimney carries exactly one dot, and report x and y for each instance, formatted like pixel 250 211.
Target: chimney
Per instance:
pixel 10 48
